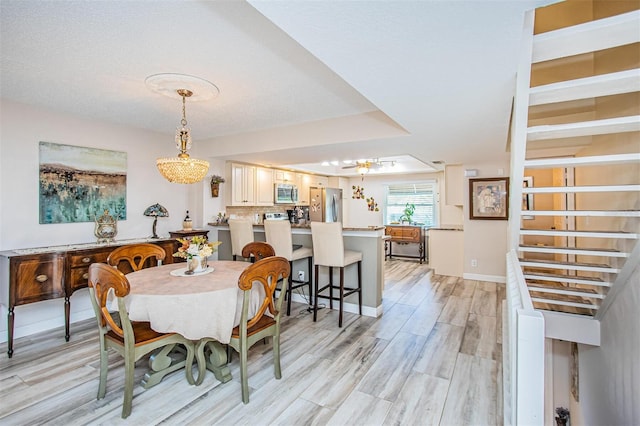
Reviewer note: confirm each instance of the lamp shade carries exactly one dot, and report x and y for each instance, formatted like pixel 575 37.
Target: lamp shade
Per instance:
pixel 156 210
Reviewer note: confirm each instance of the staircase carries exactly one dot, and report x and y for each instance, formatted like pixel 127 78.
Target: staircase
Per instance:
pixel 577 141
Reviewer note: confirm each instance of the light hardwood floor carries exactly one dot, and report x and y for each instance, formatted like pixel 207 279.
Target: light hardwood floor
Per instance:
pixel 433 357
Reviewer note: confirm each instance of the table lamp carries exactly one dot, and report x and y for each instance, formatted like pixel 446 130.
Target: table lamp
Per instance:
pixel 156 211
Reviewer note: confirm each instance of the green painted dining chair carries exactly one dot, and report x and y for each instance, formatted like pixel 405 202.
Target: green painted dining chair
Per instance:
pixel 131 339
pixel 266 322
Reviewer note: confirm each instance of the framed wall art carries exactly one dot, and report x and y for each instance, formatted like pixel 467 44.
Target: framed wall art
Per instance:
pixel 77 184
pixel 489 198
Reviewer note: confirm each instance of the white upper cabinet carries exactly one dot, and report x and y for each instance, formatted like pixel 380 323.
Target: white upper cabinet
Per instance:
pixel 284 176
pixel 303 182
pixel 264 187
pixel 243 185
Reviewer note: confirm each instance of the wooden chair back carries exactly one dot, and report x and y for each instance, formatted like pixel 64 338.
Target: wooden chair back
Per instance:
pixel 258 249
pixel 266 272
pixel 103 278
pixel 135 256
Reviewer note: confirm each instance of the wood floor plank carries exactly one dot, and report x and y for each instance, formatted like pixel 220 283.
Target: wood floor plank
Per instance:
pixel 331 389
pixel 472 394
pixel 361 409
pixel 456 311
pixel 389 372
pixel 438 358
pixel 480 337
pixel 484 303
pixel 424 318
pixel 396 317
pixel 420 402
pixel 464 288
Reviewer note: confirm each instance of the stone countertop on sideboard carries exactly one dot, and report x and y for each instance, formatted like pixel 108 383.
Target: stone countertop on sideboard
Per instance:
pixel 80 246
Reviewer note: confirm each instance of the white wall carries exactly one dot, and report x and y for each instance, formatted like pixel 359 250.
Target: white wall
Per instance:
pixel 22 127
pixel 609 375
pixel 485 240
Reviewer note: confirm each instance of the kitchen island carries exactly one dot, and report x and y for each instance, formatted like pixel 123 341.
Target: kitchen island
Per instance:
pixel 369 241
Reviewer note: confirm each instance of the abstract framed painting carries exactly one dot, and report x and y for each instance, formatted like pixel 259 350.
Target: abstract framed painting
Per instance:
pixel 78 183
pixel 489 198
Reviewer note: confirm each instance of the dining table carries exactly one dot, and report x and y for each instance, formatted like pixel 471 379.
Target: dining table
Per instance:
pixel 203 307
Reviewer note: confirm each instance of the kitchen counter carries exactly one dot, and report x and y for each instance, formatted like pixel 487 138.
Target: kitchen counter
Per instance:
pixel 305 226
pixel 368 240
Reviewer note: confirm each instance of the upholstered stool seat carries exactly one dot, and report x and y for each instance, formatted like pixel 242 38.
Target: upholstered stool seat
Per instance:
pixel 278 235
pixel 328 251
pixel 241 231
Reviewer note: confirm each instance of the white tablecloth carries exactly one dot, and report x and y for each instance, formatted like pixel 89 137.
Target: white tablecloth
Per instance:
pixel 207 305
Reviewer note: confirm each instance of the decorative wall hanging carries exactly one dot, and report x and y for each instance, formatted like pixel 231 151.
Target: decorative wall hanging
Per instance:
pixel 489 198
pixel 215 185
pixel 77 184
pixel 372 205
pixel 358 192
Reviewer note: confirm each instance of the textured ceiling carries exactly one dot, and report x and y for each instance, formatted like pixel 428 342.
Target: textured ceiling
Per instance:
pixel 369 79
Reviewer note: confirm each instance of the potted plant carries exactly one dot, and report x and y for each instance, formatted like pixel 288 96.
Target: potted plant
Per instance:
pixel 215 185
pixel 562 416
pixel 408 211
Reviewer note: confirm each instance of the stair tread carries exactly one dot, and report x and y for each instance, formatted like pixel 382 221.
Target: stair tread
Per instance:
pixel 578 230
pixel 587 37
pixel 598 160
pixel 584 128
pixel 561 263
pixel 564 276
pixel 589 87
pixel 557 286
pixel 570 248
pixel 541 306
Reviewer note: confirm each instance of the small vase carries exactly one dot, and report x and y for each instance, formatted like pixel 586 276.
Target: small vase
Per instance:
pixel 196 264
pixel 561 421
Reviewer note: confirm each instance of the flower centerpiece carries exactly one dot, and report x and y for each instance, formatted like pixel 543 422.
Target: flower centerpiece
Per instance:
pixel 196 251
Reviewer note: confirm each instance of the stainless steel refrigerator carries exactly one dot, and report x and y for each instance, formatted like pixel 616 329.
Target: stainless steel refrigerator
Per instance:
pixel 326 204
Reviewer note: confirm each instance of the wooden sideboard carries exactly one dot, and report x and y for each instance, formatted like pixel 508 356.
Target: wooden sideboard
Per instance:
pixel 34 275
pixel 405 234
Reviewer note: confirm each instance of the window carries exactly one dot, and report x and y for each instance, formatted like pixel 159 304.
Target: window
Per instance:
pixel 421 195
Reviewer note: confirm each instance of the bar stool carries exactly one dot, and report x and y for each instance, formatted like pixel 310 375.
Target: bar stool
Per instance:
pixel 278 235
pixel 241 231
pixel 328 250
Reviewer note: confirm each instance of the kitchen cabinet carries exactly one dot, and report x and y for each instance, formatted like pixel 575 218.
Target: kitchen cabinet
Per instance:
pixel 243 185
pixel 264 187
pixel 284 176
pixel 251 185
pixel 319 181
pixel 303 182
pixel 342 183
pixel 454 185
pixel 33 275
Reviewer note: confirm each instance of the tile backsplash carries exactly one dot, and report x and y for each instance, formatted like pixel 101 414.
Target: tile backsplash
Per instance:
pixel 250 212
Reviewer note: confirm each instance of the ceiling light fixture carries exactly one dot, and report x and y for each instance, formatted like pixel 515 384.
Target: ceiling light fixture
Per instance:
pixel 183 169
pixel 363 169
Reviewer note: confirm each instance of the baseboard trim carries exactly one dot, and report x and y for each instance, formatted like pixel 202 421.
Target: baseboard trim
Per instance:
pixel 367 311
pixel 490 278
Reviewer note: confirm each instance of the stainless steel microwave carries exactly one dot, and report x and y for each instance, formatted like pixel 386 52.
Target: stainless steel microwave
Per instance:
pixel 286 193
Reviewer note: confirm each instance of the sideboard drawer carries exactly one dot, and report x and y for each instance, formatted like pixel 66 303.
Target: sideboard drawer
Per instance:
pixel 36 278
pixel 86 258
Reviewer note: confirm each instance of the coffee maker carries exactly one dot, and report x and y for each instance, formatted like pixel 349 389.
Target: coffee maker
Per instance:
pixel 298 215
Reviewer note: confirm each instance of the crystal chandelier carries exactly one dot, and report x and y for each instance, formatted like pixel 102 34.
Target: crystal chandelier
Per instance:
pixel 183 169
